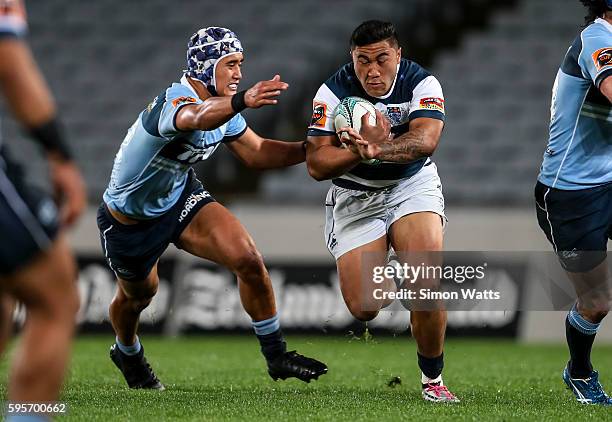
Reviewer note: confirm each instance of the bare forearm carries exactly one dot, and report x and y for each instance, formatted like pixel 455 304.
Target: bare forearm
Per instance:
pixel 329 161
pixel 408 147
pixel 277 154
pixel 213 113
pixel 23 85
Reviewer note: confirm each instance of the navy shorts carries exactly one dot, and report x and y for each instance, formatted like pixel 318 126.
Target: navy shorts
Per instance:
pixel 576 221
pixel 133 250
pixel 28 219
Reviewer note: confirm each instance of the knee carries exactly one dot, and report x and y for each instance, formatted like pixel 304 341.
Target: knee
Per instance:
pixel 58 306
pixel 139 304
pixel 595 316
pixel 143 299
pixel 594 309
pixel 360 312
pixel 248 264
pixel 364 316
pixel 431 243
pixel 138 298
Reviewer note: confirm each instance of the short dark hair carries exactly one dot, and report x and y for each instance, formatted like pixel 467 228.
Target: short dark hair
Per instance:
pixel 373 31
pixel 596 9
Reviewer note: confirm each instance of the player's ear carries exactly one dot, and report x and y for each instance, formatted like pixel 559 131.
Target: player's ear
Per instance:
pixel 399 53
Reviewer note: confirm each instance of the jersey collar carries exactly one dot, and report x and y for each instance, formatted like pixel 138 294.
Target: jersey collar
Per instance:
pixel 186 83
pixel 604 23
pixel 388 94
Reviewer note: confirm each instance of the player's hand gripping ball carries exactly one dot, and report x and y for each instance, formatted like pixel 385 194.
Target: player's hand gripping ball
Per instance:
pixel 349 113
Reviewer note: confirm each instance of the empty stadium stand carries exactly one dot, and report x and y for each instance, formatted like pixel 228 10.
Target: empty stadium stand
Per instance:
pixel 107 59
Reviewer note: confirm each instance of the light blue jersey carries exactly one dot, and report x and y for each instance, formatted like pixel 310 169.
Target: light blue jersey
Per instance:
pixel 579 152
pixel 151 167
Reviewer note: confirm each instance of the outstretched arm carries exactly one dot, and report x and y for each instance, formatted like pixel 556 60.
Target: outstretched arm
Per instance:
pixel 262 154
pixel 215 111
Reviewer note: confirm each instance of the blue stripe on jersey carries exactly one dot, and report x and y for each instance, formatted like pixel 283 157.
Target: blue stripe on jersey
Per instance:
pixel 388 171
pixel 570 64
pixel 8 34
pixel 427 113
pixel 150 116
pixel 231 138
pixel 319 132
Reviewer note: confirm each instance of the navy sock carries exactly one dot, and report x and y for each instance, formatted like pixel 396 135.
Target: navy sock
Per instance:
pixel 270 337
pixel 431 367
pixel 580 335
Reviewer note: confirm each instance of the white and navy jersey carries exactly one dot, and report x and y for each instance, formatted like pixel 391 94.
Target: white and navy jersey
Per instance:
pixel 579 152
pixel 12 19
pixel 151 167
pixel 415 93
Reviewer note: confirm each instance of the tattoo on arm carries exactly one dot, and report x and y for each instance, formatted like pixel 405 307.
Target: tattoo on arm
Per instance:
pixel 405 148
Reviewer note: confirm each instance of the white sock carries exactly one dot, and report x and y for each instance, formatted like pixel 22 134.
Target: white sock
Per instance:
pixel 426 380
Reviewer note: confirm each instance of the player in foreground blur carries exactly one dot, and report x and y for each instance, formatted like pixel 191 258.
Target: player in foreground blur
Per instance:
pixel 397 202
pixel 154 198
pixel 574 190
pixel 36 265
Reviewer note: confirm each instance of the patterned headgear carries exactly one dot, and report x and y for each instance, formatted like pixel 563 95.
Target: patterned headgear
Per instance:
pixel 204 50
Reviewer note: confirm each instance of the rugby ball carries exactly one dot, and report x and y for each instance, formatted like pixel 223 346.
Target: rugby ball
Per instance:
pixel 349 113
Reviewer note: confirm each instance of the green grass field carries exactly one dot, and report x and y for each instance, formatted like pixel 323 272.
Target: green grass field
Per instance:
pixel 223 378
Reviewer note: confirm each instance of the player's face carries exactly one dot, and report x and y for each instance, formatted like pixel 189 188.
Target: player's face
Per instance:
pixel 228 74
pixel 376 66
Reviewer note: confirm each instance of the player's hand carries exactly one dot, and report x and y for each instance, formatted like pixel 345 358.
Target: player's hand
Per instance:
pixel 349 136
pixel 354 141
pixel 265 92
pixel 69 189
pixel 378 133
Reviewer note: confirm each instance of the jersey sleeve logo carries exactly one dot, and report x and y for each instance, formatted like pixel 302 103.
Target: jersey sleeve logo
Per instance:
pixel 602 58
pixel 181 100
pixel 432 103
pixel 319 114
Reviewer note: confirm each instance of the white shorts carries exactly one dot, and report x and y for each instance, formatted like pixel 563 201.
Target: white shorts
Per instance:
pixel 354 218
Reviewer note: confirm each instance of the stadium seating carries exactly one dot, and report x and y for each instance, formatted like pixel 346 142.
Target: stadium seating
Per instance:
pixel 498 87
pixel 107 59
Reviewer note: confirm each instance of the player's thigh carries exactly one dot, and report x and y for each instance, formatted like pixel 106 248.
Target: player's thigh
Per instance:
pixel 48 282
pixel 416 232
pixel 416 212
pixel 356 273
pixel 577 223
pixel 142 289
pixel 216 234
pixel 418 240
